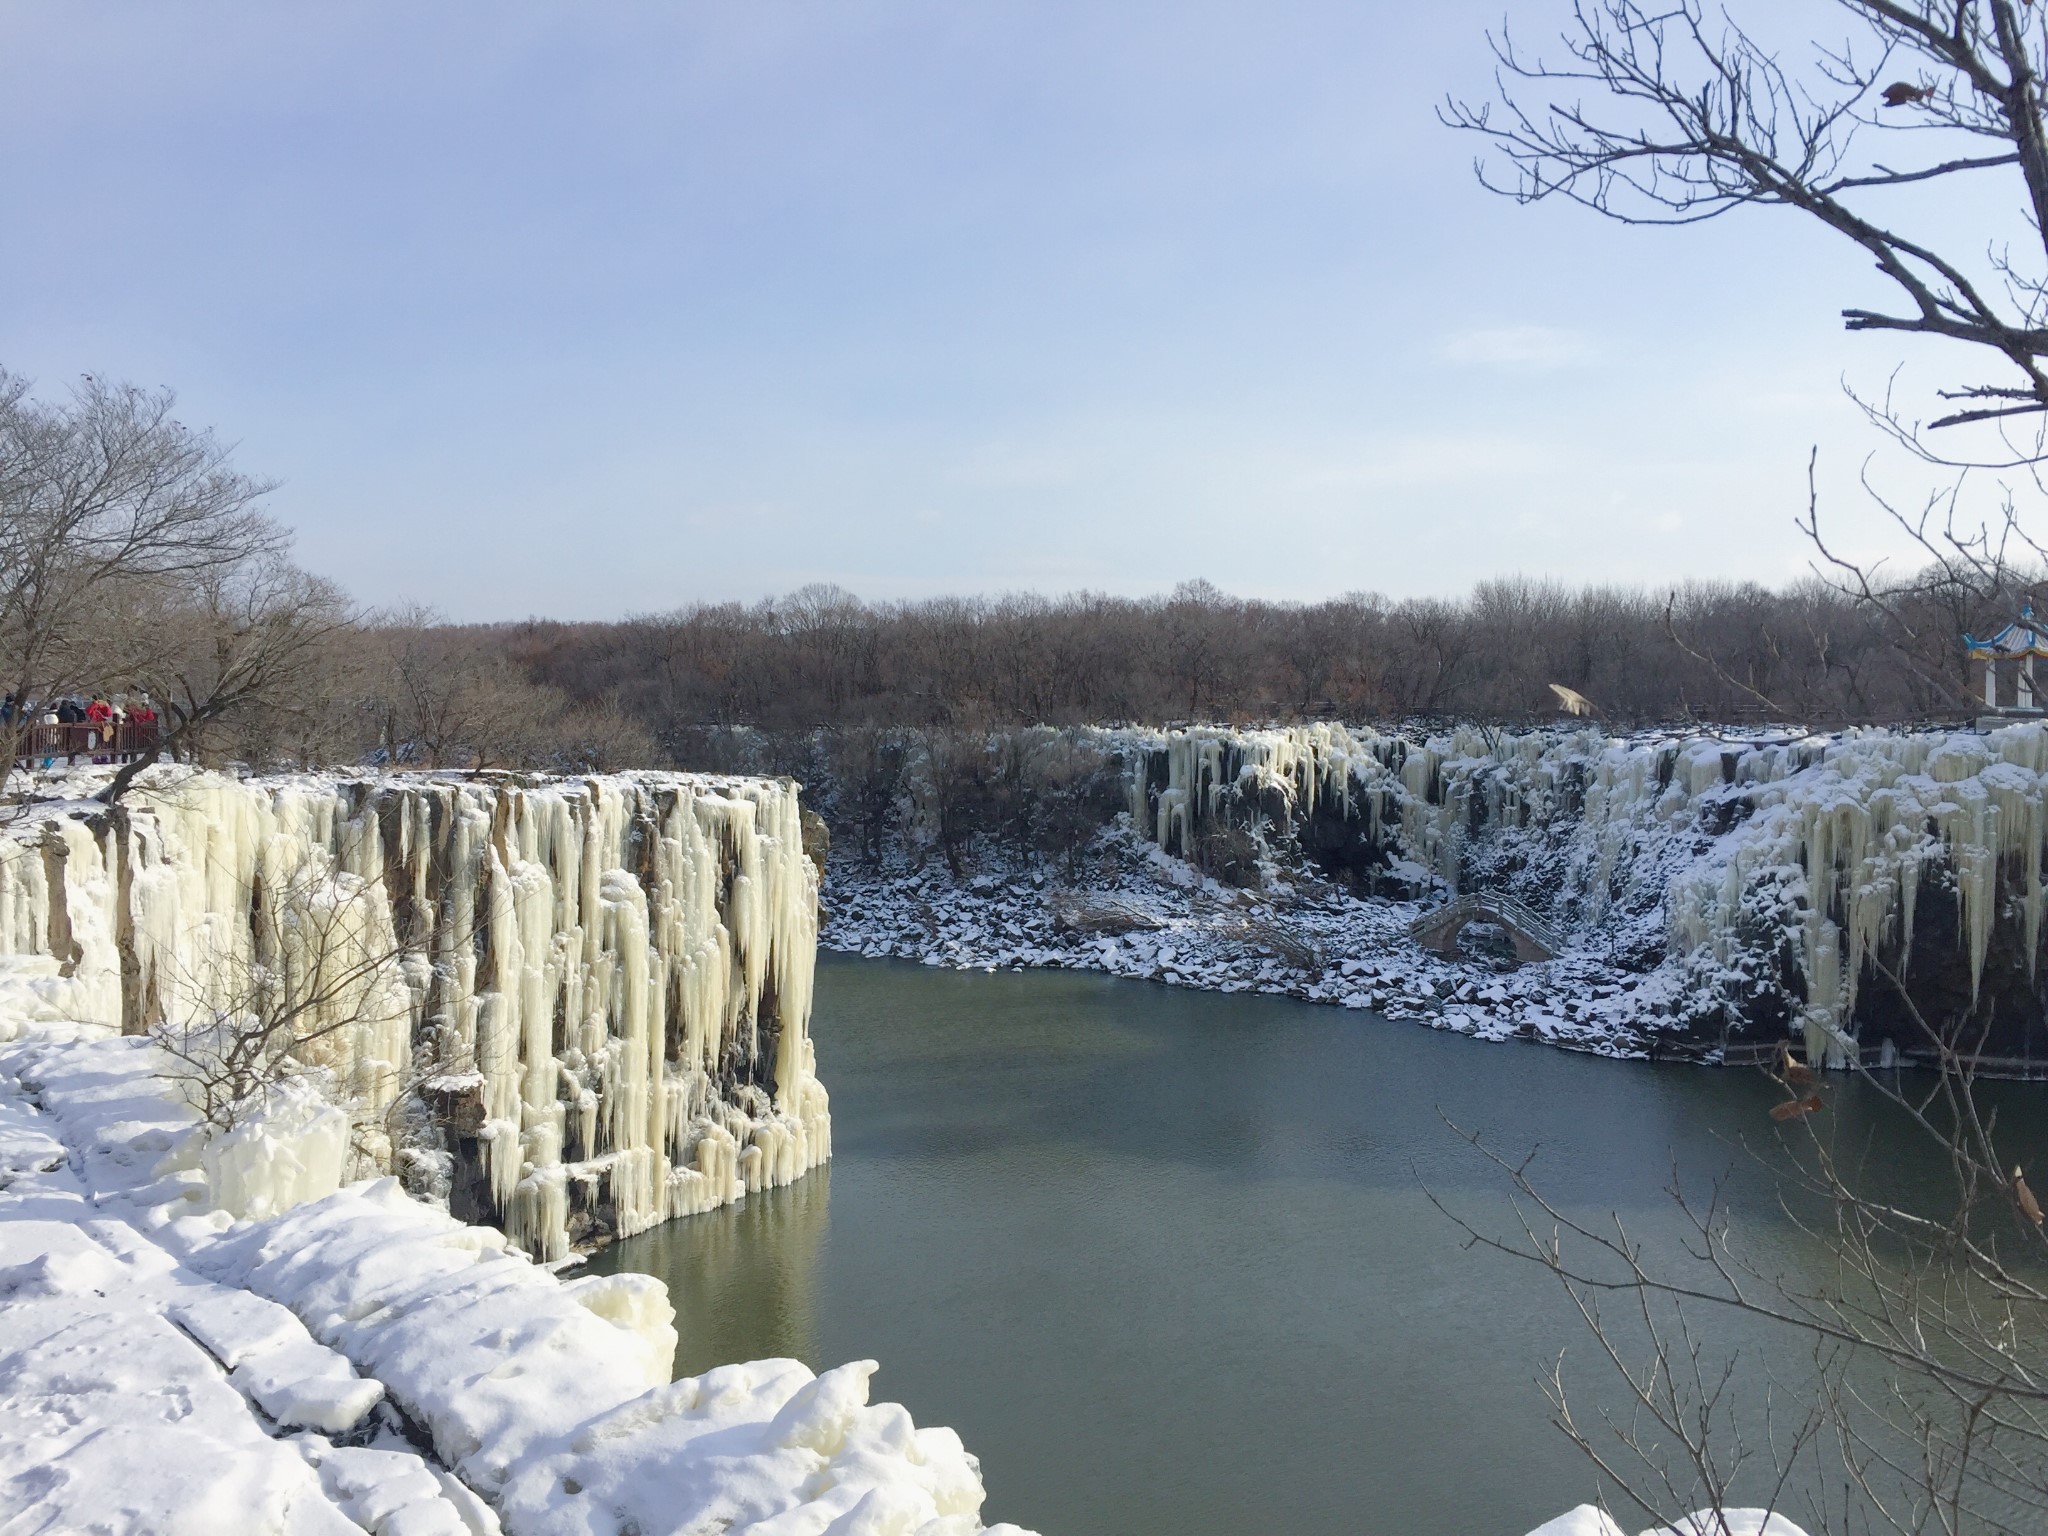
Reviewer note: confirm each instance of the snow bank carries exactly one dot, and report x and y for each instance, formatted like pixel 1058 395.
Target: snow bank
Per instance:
pixel 728 1450
pixel 1587 1520
pixel 289 1147
pixel 135 1395
pixel 487 1351
pixel 575 1002
pixel 548 1405
pixel 555 1401
pixel 1182 930
pixel 1716 893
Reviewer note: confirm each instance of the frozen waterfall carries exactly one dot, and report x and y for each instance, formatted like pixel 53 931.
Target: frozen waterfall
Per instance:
pixel 1779 868
pixel 569 1006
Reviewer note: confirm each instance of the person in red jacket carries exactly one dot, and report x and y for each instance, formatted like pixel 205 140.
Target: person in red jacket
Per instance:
pixel 141 725
pixel 99 714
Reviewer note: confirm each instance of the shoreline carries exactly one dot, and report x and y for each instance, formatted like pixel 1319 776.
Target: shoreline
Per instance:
pixel 1182 929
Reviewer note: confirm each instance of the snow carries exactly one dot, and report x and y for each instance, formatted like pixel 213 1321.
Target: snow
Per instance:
pixel 278 1364
pixel 212 1324
pixel 1587 1520
pixel 1833 835
pixel 1730 1522
pixel 116 1417
pixel 620 967
pixel 206 1329
pixel 1198 934
pixel 723 1450
pixel 1701 881
pixel 290 1148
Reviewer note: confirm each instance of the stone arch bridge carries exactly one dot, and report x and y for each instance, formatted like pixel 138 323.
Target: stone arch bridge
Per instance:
pixel 1534 939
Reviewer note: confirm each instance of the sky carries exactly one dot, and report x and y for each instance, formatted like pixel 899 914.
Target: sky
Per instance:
pixel 579 311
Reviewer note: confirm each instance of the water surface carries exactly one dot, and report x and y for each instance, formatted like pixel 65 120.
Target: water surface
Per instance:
pixel 1168 1262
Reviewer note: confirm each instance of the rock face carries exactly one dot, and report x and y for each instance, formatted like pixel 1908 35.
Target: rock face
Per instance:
pixel 572 1007
pixel 1782 878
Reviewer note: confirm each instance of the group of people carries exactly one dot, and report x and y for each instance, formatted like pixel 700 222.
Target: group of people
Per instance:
pixel 76 724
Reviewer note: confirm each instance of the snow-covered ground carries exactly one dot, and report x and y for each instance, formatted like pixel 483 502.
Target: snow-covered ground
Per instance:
pixel 1302 938
pixel 362 1361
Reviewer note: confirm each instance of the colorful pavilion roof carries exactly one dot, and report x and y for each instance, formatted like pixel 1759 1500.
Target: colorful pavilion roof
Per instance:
pixel 2018 639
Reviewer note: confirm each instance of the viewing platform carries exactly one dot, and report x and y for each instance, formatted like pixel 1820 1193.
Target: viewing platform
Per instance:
pixel 92 741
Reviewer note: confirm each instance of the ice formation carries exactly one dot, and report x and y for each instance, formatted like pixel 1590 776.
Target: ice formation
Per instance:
pixel 137 1319
pixel 1828 844
pixel 1716 893
pixel 595 993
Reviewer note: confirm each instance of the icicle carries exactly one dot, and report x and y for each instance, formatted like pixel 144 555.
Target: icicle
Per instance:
pixel 1846 826
pixel 592 951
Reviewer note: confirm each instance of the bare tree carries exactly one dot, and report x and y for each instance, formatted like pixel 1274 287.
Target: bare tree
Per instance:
pixel 1675 116
pixel 1923 1327
pixel 105 497
pixel 1692 118
pixel 241 638
pixel 320 965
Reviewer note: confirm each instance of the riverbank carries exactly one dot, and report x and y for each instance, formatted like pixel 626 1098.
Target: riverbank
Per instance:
pixel 1140 913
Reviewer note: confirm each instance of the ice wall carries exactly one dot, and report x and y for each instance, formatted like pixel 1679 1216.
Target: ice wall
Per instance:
pixel 576 1004
pixel 1822 847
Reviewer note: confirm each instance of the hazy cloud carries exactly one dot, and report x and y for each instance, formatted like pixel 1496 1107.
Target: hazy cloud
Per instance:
pixel 1531 347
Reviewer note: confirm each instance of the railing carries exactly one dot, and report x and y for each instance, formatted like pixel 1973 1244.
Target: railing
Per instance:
pixel 1489 904
pixel 44 745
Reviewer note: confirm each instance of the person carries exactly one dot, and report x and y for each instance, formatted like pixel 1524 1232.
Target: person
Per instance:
pixel 69 712
pixel 99 714
pixel 7 710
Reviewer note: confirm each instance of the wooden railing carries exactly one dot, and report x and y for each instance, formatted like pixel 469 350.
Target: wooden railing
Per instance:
pixel 45 745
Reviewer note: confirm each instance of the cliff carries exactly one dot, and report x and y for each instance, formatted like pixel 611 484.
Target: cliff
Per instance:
pixel 569 1007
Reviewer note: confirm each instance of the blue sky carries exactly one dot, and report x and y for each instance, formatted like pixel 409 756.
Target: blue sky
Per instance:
pixel 582 310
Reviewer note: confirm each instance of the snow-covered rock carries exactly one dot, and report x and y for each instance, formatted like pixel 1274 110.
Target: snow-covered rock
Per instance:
pixel 550 1002
pixel 1715 893
pixel 118 1411
pixel 1586 1520
pixel 1764 873
pixel 728 1450
pixel 168 1367
pixel 1589 1520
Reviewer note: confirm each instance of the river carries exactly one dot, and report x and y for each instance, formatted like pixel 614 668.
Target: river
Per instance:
pixel 1168 1261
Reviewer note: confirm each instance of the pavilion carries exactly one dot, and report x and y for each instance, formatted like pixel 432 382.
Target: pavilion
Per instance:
pixel 2018 642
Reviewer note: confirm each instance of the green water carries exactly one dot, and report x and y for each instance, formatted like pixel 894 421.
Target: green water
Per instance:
pixel 1167 1260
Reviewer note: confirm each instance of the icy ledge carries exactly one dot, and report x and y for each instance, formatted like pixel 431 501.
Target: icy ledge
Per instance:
pixel 165 1367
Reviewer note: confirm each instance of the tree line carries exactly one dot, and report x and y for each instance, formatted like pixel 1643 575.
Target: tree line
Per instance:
pixel 138 564
pixel 821 657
